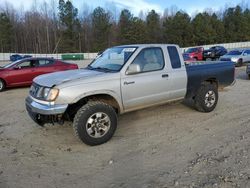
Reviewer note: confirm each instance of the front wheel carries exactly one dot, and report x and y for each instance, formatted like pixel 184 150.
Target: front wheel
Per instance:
pixel 2 85
pixel 239 63
pixel 206 98
pixel 249 76
pixel 95 123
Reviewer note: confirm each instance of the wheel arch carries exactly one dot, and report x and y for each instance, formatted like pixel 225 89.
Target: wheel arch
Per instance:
pixel 104 97
pixel 4 81
pixel 211 80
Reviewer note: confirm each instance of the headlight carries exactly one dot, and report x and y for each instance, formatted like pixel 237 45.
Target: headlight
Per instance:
pixel 234 59
pixel 45 92
pixel 51 95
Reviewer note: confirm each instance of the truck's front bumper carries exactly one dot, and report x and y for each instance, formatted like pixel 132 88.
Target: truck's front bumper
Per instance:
pixel 43 113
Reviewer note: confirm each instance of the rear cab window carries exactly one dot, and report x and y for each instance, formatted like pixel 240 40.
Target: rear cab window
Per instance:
pixel 174 57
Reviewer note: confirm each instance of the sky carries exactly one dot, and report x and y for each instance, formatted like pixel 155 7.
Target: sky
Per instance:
pixel 135 6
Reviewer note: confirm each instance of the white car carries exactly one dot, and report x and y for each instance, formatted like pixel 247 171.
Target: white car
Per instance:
pixel 239 56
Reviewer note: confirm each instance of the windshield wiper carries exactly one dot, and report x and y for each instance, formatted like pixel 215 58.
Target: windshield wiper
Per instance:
pixel 89 67
pixel 100 68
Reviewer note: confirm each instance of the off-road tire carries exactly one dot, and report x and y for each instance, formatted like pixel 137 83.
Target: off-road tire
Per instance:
pixel 85 112
pixel 2 85
pixel 201 96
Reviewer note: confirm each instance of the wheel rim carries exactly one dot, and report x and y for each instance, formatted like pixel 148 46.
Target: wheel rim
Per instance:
pixel 1 85
pixel 210 99
pixel 98 125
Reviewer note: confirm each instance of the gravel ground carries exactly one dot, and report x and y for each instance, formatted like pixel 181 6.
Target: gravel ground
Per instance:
pixel 165 146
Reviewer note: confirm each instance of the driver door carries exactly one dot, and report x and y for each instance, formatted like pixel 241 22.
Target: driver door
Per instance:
pixel 247 56
pixel 149 86
pixel 22 74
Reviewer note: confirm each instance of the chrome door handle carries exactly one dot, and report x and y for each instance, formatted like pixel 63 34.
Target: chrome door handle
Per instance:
pixel 127 83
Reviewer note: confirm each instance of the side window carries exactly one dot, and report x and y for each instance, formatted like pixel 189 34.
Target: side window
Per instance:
pixel 150 59
pixel 26 64
pixel 247 52
pixel 45 62
pixel 174 57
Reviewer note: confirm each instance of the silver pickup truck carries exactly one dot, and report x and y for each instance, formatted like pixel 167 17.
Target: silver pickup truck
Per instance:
pixel 123 79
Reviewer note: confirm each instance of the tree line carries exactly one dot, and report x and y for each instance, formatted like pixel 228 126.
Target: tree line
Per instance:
pixel 58 27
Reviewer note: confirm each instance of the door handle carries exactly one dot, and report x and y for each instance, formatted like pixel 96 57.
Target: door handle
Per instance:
pixel 164 76
pixel 127 83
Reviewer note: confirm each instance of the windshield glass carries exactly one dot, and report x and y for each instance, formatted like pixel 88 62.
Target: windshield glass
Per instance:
pixel 10 64
pixel 234 52
pixel 113 58
pixel 191 50
pixel 212 48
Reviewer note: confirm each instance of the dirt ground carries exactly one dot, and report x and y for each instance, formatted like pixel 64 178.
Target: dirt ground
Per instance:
pixel 165 146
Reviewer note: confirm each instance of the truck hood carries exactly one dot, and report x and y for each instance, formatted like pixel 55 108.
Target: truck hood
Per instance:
pixel 57 78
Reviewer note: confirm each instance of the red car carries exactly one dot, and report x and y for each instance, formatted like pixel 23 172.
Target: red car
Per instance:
pixel 22 72
pixel 195 53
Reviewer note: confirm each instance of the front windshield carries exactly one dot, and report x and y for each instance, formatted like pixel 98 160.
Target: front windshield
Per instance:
pixel 212 48
pixel 10 64
pixel 191 50
pixel 113 59
pixel 234 52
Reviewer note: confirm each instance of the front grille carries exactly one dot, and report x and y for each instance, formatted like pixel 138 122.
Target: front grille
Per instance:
pixel 35 89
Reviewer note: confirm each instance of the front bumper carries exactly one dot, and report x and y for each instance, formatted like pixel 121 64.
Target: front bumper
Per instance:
pixel 44 113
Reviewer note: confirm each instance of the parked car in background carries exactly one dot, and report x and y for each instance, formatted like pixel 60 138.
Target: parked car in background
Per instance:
pixel 239 57
pixel 214 53
pixel 16 57
pixel 22 72
pixel 194 53
pixel 187 58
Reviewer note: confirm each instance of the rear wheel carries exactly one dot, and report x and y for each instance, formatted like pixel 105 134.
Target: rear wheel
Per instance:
pixel 206 98
pixel 95 123
pixel 2 85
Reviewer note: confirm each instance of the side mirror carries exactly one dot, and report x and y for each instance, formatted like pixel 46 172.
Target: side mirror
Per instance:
pixel 133 69
pixel 17 68
pixel 245 54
